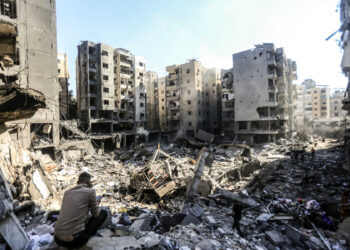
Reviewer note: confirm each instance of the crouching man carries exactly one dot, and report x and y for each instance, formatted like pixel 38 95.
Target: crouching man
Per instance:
pixel 73 228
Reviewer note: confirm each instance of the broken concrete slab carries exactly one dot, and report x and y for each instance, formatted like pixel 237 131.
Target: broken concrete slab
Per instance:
pixel 196 210
pixel 204 136
pixel 19 103
pixel 190 219
pixel 275 237
pixel 264 217
pixel 142 223
pixel 11 227
pixel 235 197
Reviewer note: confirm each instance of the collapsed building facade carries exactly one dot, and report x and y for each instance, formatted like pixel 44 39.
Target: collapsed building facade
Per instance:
pixel 262 80
pixel 29 59
pixel 345 65
pixel 189 99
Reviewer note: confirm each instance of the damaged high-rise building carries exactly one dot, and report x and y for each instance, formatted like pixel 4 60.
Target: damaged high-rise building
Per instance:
pixel 111 90
pixel 29 59
pixel 227 103
pixel 152 107
pixel 262 81
pixel 189 98
pixel 313 103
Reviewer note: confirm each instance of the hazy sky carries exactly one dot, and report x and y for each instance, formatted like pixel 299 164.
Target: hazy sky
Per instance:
pixel 168 32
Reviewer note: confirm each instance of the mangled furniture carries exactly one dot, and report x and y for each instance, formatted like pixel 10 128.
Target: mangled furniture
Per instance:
pixel 157 176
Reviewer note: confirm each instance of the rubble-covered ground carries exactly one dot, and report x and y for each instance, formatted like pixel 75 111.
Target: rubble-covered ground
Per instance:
pixel 287 203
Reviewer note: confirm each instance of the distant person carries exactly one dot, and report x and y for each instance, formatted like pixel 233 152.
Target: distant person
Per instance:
pixel 313 153
pixel 73 228
pixel 237 215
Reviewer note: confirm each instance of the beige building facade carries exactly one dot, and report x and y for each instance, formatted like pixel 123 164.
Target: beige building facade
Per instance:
pixel 192 99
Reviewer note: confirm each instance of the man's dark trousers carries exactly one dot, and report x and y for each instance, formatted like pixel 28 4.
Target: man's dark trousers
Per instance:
pixel 81 238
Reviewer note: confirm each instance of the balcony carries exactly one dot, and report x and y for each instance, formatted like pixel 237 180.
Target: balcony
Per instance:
pixel 173 98
pixel 172 107
pixel 272 75
pixel 92 82
pixel 173 117
pixel 92 69
pixel 125 63
pixel 125 75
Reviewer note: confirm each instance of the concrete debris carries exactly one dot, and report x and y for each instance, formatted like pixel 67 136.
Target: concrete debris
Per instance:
pixel 204 136
pixel 147 191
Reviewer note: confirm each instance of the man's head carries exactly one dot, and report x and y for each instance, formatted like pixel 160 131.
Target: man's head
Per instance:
pixel 84 178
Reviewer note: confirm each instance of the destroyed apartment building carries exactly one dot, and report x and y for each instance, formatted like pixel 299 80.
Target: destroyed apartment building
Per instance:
pixel 345 65
pixel 262 80
pixel 111 92
pixel 189 100
pixel 29 59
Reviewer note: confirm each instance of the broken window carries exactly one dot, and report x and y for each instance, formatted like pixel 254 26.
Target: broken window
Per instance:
pixel 106 90
pixel 142 116
pixel 190 124
pixel 105 78
pixel 142 104
pixel 41 133
pixel 162 107
pixel 141 74
pixel 8 8
pixel 104 53
pixel 105 65
pixel 189 102
pixel 270 69
pixel 140 64
pixel 189 113
pixel 106 102
pixel 269 55
pixel 188 81
pixel 189 92
pixel 242 125
pixel 323 108
pixel 187 71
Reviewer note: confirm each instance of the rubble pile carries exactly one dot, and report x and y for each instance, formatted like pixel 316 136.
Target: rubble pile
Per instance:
pixel 180 197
